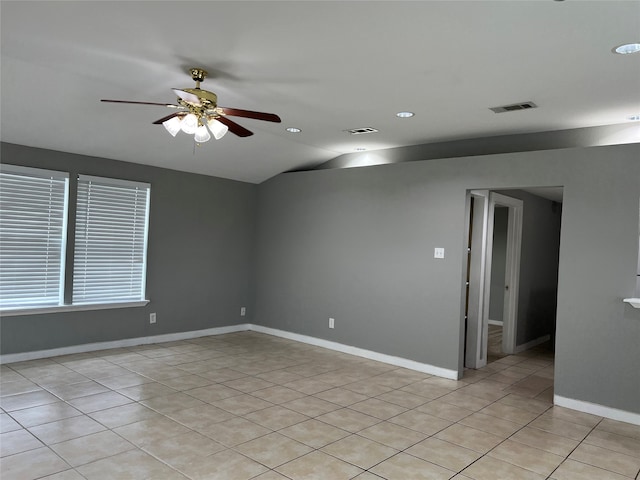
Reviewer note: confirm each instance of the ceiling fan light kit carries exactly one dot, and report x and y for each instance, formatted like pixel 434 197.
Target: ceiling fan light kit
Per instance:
pixel 202 134
pixel 217 128
pixel 200 114
pixel 189 124
pixel 173 125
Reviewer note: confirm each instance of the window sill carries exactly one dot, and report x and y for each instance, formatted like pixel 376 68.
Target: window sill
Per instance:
pixel 71 308
pixel 634 302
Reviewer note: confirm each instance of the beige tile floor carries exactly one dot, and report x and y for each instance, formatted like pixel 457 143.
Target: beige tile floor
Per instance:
pixel 252 406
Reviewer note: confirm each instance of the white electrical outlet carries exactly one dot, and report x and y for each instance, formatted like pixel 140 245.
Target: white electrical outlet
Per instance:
pixel 243 311
pixel 152 318
pixel 438 253
pixel 332 322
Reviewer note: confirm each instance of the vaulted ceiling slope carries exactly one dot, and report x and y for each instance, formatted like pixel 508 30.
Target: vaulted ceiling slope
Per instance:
pixel 324 67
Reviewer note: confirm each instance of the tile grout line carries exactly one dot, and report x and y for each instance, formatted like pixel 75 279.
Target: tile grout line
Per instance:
pixel 334 368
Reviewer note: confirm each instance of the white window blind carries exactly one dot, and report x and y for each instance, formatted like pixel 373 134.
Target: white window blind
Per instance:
pixel 111 240
pixel 33 224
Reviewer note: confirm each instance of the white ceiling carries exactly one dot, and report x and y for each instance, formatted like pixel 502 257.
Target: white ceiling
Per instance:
pixel 322 66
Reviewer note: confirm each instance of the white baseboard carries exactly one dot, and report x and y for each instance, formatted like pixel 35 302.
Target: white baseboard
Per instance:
pixel 579 405
pixel 171 337
pixel 499 323
pixel 360 352
pixel 597 409
pixel 127 342
pixel 531 344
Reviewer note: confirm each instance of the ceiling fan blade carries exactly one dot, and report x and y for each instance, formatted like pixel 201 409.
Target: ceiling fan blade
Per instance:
pixel 236 112
pixel 187 97
pixel 239 130
pixel 168 117
pixel 142 103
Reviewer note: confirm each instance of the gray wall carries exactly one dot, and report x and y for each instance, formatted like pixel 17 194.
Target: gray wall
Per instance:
pixel 638 277
pixel 200 260
pixel 538 281
pixel 357 244
pixel 498 263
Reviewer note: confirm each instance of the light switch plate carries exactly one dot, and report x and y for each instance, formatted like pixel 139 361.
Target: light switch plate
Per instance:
pixel 438 252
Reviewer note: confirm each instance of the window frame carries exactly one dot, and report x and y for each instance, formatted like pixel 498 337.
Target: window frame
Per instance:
pixel 66 301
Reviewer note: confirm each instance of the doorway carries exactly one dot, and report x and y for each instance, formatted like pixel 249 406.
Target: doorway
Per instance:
pixel 510 291
pixel 480 250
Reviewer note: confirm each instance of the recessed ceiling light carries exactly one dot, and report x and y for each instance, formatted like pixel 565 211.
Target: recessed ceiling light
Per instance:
pixel 405 114
pixel 293 130
pixel 634 118
pixel 627 48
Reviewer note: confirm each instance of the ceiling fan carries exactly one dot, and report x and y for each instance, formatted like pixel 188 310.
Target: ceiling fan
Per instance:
pixel 198 113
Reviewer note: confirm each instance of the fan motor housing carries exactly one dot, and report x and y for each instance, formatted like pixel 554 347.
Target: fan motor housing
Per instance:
pixel 207 98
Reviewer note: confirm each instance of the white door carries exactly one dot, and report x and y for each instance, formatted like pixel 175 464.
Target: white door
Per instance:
pixel 476 329
pixel 512 267
pixel 479 274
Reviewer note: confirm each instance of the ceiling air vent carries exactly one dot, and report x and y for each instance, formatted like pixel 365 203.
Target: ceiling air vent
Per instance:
pixel 514 107
pixel 360 131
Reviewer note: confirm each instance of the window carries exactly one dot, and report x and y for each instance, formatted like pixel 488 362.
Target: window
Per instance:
pixel 33 221
pixel 110 251
pixel 111 240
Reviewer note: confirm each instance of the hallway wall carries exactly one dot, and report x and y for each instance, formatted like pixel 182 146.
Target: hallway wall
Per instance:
pixel 357 245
